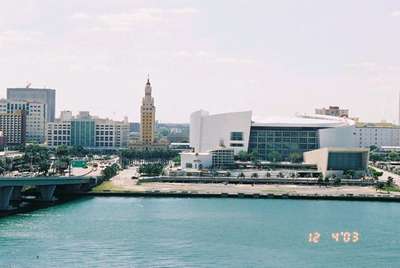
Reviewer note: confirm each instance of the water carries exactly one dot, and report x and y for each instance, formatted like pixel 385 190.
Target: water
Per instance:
pixel 158 232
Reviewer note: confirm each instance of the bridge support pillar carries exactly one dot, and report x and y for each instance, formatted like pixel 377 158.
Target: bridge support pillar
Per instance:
pixel 47 192
pixel 16 193
pixel 5 196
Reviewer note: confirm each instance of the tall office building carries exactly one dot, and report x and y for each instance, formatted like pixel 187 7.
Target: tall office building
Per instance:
pixel 41 95
pixel 36 117
pixel 13 126
pixel 147 117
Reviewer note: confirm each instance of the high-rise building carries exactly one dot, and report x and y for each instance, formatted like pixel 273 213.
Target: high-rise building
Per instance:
pixel 13 126
pixel 87 131
pixel 41 95
pixel 36 117
pixel 147 117
pixel 333 111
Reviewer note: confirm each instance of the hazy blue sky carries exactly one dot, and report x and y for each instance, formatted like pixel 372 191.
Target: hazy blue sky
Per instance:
pixel 273 57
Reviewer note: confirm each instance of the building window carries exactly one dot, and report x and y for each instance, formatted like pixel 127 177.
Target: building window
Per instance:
pixel 236 136
pixel 189 165
pixel 236 145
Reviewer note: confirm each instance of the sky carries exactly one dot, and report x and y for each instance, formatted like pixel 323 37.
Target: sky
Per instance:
pixel 276 58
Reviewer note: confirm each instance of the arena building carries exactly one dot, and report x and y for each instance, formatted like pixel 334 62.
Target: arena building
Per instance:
pixel 269 138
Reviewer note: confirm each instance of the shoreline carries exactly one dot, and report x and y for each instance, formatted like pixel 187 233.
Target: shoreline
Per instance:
pixel 295 196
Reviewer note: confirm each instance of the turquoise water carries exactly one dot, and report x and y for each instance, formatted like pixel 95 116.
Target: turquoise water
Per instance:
pixel 158 232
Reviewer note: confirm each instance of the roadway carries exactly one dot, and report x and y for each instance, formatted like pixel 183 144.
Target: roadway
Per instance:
pixel 387 174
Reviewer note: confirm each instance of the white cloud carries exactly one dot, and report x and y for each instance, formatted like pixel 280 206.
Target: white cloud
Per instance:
pixel 12 37
pixel 232 60
pixel 80 16
pixel 362 65
pixel 183 53
pixel 126 20
pixel 395 13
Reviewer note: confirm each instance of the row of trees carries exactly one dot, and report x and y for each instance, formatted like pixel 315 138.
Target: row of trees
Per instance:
pixel 110 172
pixel 143 156
pixel 151 169
pixel 376 155
pixel 274 156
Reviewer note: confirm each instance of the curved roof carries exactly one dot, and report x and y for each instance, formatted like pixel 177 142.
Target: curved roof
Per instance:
pixel 321 121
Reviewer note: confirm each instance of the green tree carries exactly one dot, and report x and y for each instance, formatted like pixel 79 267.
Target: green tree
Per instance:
pixel 44 166
pixel 337 181
pixel 253 156
pixel 320 180
pixel 243 156
pixel 349 174
pixel 295 157
pixel 151 169
pixel 390 182
pixel 110 171
pixel 373 148
pixel 241 175
pixel 274 156
pixel 62 151
pixel 380 185
pixel 393 156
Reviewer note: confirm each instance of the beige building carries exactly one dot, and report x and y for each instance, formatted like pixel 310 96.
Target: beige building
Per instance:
pixel 147 117
pixel 333 111
pixel 337 161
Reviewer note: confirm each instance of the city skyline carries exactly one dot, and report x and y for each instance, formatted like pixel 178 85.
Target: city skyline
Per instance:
pixel 200 55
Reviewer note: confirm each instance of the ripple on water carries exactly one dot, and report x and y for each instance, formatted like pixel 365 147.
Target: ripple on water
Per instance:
pixel 151 232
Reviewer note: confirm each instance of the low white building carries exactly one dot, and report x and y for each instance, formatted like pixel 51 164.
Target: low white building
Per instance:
pixel 190 160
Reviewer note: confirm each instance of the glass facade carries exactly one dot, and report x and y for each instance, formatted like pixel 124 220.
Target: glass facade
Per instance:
pixel 223 158
pixel 345 161
pixel 83 133
pixel 277 143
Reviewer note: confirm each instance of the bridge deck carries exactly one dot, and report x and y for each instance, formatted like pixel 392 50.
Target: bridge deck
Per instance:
pixel 41 181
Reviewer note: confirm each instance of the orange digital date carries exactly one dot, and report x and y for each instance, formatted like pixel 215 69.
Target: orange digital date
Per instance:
pixel 339 237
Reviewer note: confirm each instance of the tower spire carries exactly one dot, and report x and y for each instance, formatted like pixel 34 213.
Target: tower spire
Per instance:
pixel 148 79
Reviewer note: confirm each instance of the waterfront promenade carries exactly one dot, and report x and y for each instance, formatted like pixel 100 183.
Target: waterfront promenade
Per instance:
pixel 123 184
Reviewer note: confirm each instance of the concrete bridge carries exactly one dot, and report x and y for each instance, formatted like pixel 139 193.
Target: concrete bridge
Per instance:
pixel 10 187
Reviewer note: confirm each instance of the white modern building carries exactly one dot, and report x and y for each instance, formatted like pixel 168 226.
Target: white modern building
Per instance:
pixel 270 136
pixel 190 160
pixel 36 117
pixel 218 158
pixel 208 132
pixel 377 134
